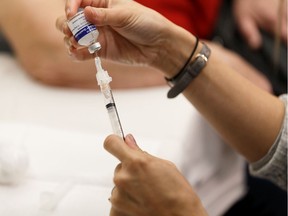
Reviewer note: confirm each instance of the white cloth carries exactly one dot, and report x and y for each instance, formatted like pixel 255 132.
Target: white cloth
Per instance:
pixel 63 131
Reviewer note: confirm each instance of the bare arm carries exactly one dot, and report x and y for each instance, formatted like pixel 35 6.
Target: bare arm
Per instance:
pixel 247 117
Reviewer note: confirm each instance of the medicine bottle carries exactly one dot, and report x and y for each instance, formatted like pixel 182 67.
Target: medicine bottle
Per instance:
pixel 85 33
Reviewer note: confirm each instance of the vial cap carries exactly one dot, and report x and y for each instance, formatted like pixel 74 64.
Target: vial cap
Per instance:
pixel 94 47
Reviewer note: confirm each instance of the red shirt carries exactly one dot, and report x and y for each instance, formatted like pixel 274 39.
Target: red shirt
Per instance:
pixel 197 16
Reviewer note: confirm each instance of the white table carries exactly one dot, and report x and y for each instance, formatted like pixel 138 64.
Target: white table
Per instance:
pixel 63 131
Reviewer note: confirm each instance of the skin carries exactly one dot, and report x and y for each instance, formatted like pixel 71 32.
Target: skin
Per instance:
pixel 45 59
pixel 248 118
pixel 42 55
pixel 231 58
pixel 137 167
pixel 252 16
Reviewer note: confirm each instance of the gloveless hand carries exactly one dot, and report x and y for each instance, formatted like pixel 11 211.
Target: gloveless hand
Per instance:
pixel 148 186
pixel 129 32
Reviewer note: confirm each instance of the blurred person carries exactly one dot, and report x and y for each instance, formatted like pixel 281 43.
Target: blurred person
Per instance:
pixel 254 16
pixel 257 31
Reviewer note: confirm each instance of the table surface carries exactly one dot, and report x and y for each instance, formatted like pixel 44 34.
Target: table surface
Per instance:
pixel 63 130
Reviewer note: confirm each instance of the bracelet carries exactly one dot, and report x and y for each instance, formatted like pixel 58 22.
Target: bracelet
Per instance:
pixel 182 71
pixel 190 72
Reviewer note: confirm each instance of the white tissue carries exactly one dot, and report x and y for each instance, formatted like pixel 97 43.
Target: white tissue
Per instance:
pixel 14 162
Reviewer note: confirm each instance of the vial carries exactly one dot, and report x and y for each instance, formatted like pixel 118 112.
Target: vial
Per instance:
pixel 84 32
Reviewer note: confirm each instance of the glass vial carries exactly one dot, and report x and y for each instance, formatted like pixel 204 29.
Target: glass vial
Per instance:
pixel 84 32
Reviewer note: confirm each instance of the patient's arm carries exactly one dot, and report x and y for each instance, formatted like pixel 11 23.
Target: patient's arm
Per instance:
pixel 30 28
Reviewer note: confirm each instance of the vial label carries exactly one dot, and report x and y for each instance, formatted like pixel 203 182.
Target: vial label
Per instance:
pixel 84 32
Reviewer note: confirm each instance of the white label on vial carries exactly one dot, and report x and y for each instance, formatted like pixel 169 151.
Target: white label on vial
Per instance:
pixel 81 28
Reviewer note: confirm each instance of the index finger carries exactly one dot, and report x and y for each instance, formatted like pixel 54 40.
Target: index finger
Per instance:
pixel 117 147
pixel 62 26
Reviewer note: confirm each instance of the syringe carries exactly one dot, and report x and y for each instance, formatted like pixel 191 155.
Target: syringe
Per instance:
pixel 103 80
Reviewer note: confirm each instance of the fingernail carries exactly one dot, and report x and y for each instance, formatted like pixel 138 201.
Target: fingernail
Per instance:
pixel 130 138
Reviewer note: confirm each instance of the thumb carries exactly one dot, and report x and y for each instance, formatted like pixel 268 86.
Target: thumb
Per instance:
pixel 105 16
pixel 101 16
pixel 117 147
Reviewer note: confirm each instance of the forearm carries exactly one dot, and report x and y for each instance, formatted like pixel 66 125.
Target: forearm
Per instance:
pixel 248 118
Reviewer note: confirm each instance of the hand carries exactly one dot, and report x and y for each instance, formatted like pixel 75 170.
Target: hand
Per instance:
pixel 136 36
pixel 148 186
pixel 123 33
pixel 252 16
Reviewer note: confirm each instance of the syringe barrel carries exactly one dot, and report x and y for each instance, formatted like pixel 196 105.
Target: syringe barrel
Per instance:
pixel 103 80
pixel 114 119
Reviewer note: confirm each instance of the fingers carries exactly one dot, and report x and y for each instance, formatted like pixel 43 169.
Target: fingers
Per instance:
pixel 97 16
pixel 250 32
pixel 114 212
pixel 102 16
pixel 71 42
pixel 121 202
pixel 76 51
pixel 61 25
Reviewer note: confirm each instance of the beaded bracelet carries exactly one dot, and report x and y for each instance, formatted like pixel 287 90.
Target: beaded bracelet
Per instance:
pixel 189 73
